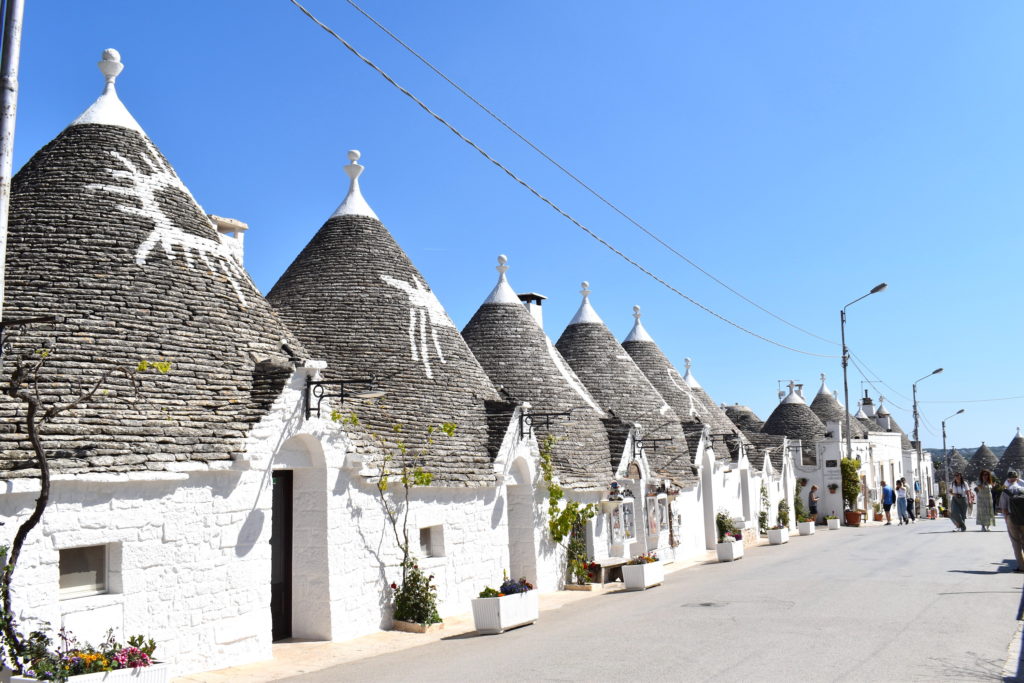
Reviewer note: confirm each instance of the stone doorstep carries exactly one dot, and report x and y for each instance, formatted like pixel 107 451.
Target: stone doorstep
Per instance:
pixel 294 657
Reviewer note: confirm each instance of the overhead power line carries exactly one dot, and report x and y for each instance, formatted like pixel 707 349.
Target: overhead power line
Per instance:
pixel 541 197
pixel 979 400
pixel 576 178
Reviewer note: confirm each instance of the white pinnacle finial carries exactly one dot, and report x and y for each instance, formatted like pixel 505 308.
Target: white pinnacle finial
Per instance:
pixel 354 204
pixel 586 312
pixel 688 362
pixel 638 333
pixel 501 267
pixel 1018 432
pixel 110 66
pixel 690 380
pixel 822 377
pixel 108 110
pixel 502 292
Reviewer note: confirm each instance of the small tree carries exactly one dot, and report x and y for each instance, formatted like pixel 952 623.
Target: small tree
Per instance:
pixel 783 513
pixel 762 516
pixel 851 482
pixel 18 651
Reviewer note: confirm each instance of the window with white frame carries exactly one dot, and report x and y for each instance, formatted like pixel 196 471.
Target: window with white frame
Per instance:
pixel 432 541
pixel 84 571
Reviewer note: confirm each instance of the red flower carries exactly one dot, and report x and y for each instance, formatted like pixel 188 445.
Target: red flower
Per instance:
pixel 394 586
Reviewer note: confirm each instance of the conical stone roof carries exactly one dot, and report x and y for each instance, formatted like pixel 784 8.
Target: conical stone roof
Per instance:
pixel 957 463
pixel 518 357
pixel 103 233
pixel 744 418
pixel 357 301
pixel 827 407
pixel 882 415
pixel 685 395
pixel 1013 458
pixel 615 381
pixel 794 418
pixel 983 459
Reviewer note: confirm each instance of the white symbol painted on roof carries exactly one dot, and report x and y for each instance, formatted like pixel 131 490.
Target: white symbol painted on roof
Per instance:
pixel 696 408
pixel 425 312
pixel 146 186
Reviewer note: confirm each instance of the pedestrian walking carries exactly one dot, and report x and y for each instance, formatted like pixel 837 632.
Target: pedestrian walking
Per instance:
pixel 888 498
pixel 986 517
pixel 812 502
pixel 958 502
pixel 911 512
pixel 1011 503
pixel 901 503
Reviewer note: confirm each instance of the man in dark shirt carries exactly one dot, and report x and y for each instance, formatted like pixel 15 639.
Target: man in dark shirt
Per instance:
pixel 888 498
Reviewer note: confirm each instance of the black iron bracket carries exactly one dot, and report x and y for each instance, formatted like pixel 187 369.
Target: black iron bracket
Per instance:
pixel 646 444
pixel 528 420
pixel 318 390
pixel 6 323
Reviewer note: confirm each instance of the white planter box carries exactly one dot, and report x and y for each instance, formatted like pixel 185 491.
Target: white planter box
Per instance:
pixel 778 536
pixel 638 577
pixel 833 524
pixel 155 673
pixel 495 615
pixel 729 551
pixel 806 528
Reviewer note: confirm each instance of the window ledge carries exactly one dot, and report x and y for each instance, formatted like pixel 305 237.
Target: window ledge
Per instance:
pixel 90 602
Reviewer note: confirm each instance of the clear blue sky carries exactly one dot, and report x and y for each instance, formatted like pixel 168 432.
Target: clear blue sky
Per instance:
pixel 801 151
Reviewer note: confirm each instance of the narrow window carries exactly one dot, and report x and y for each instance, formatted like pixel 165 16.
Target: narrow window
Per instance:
pixel 83 571
pixel 432 541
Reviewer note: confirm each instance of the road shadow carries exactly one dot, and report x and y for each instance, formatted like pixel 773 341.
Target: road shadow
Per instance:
pixel 1007 566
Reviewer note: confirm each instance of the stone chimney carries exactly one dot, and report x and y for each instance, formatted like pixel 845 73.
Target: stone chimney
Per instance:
pixel 533 302
pixel 232 234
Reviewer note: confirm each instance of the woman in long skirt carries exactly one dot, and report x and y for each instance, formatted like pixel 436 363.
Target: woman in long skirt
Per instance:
pixel 986 511
pixel 958 502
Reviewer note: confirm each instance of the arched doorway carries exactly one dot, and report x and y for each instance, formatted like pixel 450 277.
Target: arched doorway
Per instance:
pixel 522 543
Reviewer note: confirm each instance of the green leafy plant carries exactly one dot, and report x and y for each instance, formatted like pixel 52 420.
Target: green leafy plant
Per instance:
pixel 416 598
pixel 567 519
pixel 726 527
pixel 799 507
pixel 850 469
pixel 783 513
pixel 762 516
pixel 645 558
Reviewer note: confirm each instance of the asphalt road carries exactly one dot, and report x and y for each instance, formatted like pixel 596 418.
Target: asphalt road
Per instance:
pixel 878 603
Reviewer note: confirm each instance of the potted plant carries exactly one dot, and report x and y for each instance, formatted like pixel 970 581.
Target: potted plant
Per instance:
pixel 642 572
pixel 851 489
pixel 833 522
pixel 588 582
pixel 730 539
pixel 877 507
pixel 513 604
pixel 778 535
pixel 833 487
pixel 806 526
pixel 108 662
pixel 783 517
pixel 416 602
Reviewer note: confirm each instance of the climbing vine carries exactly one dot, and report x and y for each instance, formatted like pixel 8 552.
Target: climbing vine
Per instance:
pixel 567 519
pixel 762 516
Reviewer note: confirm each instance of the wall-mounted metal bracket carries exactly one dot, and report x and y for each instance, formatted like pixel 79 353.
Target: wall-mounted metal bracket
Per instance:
pixel 528 420
pixel 318 389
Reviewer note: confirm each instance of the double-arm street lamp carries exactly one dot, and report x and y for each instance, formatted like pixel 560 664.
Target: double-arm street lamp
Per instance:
pixel 846 361
pixel 945 453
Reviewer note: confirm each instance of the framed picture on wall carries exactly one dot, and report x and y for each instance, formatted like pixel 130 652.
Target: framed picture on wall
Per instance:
pixel 652 516
pixel 628 522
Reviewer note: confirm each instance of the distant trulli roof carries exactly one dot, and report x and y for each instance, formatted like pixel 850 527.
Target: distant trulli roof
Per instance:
pixel 793 418
pixel 882 413
pixel 983 459
pixel 744 418
pixel 868 423
pixel 1013 457
pixel 685 395
pixel 518 357
pixel 354 298
pixel 615 381
pixel 104 234
pixel 957 463
pixel 827 407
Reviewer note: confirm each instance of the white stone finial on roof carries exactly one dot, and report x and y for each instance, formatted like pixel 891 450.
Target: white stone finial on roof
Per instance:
pixel 108 110
pixel 354 204
pixel 586 312
pixel 502 292
pixel 638 333
pixel 1018 431
pixel 824 390
pixel 690 380
pixel 793 396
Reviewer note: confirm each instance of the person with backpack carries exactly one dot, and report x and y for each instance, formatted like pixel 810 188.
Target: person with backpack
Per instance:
pixel 888 498
pixel 958 502
pixel 1012 505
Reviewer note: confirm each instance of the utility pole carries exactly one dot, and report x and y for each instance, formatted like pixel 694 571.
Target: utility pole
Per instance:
pixel 9 63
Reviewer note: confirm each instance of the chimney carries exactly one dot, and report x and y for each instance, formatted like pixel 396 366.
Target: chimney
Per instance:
pixel 533 302
pixel 232 234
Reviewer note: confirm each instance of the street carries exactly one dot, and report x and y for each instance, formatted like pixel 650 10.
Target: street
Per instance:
pixel 878 603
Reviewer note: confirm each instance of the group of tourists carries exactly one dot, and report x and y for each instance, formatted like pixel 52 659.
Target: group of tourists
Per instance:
pixel 902 496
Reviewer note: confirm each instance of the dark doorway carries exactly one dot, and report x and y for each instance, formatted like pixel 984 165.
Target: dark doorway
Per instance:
pixel 281 555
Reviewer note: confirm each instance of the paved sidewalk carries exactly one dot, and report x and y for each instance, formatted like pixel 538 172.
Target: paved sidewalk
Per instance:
pixel 293 657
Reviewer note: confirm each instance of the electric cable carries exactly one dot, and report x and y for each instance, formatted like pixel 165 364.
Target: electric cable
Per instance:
pixel 541 197
pixel 573 176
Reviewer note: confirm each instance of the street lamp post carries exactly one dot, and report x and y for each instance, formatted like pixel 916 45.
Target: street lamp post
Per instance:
pixel 846 362
pixel 917 416
pixel 945 453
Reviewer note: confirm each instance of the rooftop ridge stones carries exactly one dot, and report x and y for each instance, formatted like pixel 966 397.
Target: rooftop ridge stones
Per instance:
pixel 520 359
pixel 104 234
pixel 615 381
pixel 355 298
pixel 688 399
